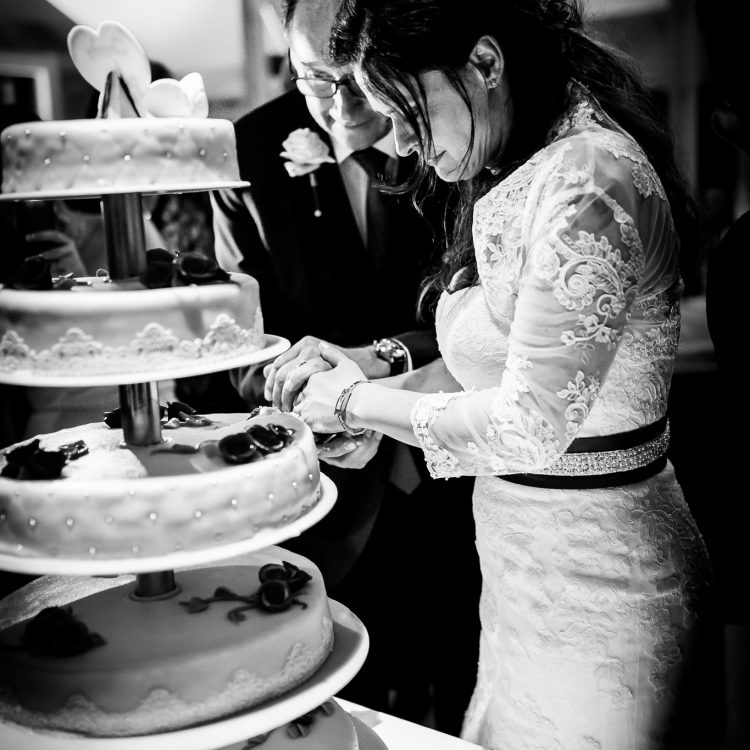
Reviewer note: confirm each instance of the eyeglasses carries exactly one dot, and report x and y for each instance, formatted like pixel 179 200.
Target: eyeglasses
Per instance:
pixel 325 88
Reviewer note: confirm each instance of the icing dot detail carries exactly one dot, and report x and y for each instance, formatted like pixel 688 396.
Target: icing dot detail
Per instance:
pixel 48 161
pixel 310 477
pixel 135 549
pixel 152 516
pixel 127 157
pixel 92 551
pixel 63 135
pixel 19 548
pixel 3 516
pixel 271 496
pixel 198 514
pixel 32 522
pixel 234 502
pixel 294 484
pixel 70 523
pixel 201 152
pixel 87 157
pixel 26 132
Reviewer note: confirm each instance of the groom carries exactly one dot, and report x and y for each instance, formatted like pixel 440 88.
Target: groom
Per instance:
pixel 351 276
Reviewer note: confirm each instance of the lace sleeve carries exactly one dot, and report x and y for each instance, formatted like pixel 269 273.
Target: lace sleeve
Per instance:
pixel 581 225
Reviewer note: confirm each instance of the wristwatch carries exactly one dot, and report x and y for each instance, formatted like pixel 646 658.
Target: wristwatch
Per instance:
pixel 392 352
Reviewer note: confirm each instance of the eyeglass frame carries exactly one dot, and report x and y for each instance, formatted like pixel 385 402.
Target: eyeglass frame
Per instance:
pixel 347 81
pixel 336 83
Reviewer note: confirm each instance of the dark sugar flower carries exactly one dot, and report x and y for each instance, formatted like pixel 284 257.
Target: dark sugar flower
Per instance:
pixel 197 269
pixel 31 462
pixel 35 273
pixel 238 449
pixel 56 631
pixel 266 440
pixel 160 269
pixel 274 596
pixel 295 577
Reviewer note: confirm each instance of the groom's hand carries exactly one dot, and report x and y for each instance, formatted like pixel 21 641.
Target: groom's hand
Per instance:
pixel 350 452
pixel 287 374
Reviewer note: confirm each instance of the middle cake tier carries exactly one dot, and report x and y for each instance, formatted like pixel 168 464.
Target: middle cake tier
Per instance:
pixel 205 486
pixel 101 332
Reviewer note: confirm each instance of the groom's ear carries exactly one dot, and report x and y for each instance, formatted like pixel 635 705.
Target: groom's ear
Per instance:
pixel 487 58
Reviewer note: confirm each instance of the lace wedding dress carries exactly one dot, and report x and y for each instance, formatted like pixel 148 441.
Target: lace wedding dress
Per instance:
pixel 590 597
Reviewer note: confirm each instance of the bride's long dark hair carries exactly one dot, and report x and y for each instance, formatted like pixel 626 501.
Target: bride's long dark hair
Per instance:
pixel 545 48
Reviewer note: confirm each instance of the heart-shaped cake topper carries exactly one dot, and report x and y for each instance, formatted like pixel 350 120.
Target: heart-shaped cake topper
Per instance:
pixel 167 97
pixel 110 48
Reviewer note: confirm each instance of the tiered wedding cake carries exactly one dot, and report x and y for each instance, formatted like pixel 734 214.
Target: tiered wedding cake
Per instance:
pixel 206 653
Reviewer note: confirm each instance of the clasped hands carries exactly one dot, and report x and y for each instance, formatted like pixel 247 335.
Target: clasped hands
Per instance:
pixel 307 380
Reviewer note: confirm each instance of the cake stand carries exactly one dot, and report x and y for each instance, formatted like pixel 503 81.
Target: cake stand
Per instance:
pixel 155 577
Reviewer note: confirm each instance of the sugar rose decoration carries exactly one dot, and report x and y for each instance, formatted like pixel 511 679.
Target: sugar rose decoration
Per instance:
pixel 305 151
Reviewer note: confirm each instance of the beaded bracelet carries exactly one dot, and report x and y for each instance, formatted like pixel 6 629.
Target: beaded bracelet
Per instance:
pixel 340 409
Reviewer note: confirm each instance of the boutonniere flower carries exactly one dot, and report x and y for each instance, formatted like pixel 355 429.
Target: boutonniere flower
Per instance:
pixel 305 151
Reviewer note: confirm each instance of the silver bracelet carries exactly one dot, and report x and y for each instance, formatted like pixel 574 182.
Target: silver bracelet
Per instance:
pixel 340 409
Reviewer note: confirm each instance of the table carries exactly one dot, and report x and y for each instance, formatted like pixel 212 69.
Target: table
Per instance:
pixel 399 734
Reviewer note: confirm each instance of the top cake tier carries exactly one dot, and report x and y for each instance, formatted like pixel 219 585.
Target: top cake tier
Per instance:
pixel 102 156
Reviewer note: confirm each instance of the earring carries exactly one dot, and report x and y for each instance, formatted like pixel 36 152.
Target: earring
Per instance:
pixel 491 83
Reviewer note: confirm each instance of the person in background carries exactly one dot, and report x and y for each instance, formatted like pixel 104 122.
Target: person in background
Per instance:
pixel 559 316
pixel 723 31
pixel 337 260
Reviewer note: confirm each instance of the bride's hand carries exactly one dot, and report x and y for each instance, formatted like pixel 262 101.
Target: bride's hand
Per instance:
pixel 316 402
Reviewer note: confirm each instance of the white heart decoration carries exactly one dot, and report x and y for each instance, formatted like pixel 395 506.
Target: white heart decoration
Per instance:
pixel 165 98
pixel 110 48
pixel 192 85
pixel 168 97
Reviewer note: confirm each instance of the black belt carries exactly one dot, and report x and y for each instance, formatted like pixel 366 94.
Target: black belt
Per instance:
pixel 606 444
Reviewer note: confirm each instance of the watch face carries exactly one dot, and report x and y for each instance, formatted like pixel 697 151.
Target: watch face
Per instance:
pixel 389 350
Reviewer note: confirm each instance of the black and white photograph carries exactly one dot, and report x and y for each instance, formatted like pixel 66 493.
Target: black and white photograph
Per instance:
pixel 371 375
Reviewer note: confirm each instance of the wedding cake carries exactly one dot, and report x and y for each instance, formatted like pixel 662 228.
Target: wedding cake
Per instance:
pixel 171 650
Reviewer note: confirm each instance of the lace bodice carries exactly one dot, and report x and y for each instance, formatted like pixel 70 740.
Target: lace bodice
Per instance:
pixel 573 328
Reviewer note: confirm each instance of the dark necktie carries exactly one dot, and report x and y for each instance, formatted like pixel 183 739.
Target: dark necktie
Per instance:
pixel 374 163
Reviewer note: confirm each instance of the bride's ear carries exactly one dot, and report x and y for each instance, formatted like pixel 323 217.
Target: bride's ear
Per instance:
pixel 487 58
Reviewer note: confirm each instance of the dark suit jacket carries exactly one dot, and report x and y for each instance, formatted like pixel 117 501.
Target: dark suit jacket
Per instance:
pixel 316 277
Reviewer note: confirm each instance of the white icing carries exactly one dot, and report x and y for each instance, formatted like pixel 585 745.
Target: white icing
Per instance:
pixel 129 503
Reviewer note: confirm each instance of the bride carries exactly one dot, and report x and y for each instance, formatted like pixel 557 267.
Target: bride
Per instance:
pixel 558 315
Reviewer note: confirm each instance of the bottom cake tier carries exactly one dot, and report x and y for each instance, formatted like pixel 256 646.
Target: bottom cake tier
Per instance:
pixel 110 664
pixel 327 727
